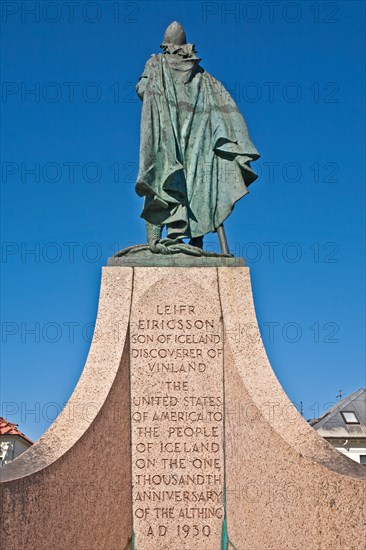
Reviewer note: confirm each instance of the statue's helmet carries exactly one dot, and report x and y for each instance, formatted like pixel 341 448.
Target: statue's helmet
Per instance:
pixel 175 34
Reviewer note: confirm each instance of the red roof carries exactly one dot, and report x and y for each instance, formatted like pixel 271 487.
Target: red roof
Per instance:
pixel 8 428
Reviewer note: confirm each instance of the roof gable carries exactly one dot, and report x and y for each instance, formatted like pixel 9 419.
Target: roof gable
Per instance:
pixel 333 423
pixel 9 428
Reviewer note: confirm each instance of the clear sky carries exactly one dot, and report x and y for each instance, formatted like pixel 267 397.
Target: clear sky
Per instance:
pixel 70 126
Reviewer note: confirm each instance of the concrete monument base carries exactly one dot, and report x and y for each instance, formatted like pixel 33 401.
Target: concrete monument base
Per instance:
pixel 178 435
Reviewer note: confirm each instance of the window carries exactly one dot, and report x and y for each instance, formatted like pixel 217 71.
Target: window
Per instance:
pixel 349 417
pixel 362 459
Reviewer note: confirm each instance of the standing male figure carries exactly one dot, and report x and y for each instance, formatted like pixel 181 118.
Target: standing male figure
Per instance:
pixel 195 149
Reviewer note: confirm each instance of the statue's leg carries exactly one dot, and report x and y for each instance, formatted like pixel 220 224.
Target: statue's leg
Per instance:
pixel 153 232
pixel 197 242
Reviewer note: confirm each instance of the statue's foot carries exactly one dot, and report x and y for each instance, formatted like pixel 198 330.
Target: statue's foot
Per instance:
pixel 197 242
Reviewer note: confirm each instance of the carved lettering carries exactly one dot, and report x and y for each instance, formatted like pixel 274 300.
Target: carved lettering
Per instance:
pixel 177 425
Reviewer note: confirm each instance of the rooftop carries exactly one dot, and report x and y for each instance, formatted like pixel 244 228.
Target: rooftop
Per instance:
pixel 346 419
pixel 8 428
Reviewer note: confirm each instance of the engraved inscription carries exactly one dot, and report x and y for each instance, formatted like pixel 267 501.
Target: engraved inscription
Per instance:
pixel 177 426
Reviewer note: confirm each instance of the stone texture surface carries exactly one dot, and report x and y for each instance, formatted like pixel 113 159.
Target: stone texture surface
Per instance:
pixel 65 491
pixel 286 488
pixel 177 398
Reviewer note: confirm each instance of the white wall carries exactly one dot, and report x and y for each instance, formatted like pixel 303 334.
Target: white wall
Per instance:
pixel 10 447
pixel 352 452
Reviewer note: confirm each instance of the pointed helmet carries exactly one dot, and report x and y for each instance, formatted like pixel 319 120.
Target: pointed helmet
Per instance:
pixel 175 34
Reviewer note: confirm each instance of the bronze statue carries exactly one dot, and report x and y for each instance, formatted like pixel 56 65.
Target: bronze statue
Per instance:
pixel 195 150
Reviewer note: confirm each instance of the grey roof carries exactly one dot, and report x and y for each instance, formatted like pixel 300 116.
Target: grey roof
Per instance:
pixel 332 423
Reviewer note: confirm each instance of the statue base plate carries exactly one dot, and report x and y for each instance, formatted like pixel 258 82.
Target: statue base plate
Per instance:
pixel 174 260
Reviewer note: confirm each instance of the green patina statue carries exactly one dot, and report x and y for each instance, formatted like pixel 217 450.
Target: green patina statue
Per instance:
pixel 195 150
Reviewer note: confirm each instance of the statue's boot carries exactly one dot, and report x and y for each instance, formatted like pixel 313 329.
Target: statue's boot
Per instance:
pixel 153 232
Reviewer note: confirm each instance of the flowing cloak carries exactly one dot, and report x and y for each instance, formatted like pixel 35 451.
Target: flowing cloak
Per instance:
pixel 195 149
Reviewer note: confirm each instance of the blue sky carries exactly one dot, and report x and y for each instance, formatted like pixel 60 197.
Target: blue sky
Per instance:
pixel 69 163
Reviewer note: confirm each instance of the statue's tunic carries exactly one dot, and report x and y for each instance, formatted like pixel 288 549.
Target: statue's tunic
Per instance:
pixel 195 149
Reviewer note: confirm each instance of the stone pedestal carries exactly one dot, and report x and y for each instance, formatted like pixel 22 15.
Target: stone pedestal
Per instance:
pixel 177 397
pixel 178 435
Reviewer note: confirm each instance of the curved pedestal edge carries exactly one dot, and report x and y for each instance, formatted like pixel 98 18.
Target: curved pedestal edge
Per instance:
pixel 251 361
pixel 94 384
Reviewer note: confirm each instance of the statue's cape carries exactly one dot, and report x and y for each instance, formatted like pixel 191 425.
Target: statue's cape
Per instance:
pixel 195 149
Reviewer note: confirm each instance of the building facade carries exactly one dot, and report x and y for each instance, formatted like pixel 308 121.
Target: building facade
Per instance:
pixel 12 441
pixel 344 426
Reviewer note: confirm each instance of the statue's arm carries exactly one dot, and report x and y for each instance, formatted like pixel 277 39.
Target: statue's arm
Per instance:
pixel 142 81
